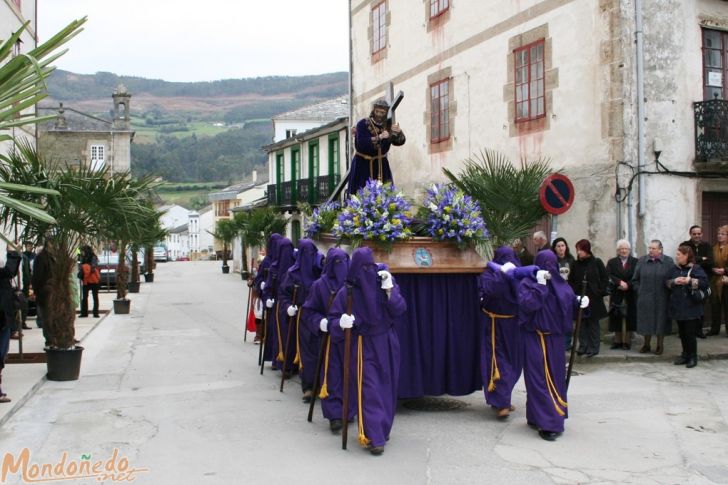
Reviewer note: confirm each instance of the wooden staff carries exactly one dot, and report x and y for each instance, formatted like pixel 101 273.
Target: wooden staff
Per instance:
pixel 576 332
pixel 347 358
pixel 263 345
pixel 291 321
pixel 320 362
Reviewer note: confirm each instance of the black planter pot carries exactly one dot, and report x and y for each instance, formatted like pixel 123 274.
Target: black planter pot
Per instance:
pixel 149 277
pixel 121 307
pixel 63 365
pixel 245 275
pixel 132 287
pixel 225 269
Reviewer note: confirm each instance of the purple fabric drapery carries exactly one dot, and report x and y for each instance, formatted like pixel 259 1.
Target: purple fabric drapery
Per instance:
pixel 440 335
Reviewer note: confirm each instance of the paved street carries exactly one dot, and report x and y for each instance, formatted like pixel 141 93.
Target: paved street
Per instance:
pixel 176 390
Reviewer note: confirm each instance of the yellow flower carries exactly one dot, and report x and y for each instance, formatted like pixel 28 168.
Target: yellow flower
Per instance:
pixel 392 206
pixel 448 209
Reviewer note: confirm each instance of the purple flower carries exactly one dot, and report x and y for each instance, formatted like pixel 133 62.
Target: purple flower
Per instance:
pixel 453 215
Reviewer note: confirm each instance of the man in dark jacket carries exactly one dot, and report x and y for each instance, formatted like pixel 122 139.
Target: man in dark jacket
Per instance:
pixel 703 257
pixel 7 305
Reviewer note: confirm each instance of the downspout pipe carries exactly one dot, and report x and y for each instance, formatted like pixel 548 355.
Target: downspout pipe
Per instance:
pixel 640 117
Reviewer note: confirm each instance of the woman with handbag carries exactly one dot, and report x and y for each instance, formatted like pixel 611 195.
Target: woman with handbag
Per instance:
pixel 688 286
pixel 622 304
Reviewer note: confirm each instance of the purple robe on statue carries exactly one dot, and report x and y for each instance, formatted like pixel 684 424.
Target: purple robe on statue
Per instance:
pixel 374 366
pixel 502 360
pixel 302 273
pixel 370 159
pixel 282 260
pixel 545 314
pixel 319 301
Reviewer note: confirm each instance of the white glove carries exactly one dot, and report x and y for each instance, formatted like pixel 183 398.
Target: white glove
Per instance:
pixel 541 276
pixel 583 301
pixel 269 303
pixel 386 279
pixel 346 321
pixel 324 324
pixel 292 310
pixel 262 285
pixel 508 267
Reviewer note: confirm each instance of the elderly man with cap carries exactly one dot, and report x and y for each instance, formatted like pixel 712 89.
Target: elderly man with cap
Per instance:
pixel 372 141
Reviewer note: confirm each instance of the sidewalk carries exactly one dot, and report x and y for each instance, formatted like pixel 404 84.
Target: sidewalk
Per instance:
pixel 21 380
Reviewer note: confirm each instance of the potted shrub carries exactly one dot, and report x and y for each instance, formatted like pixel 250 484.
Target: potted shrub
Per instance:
pixel 127 219
pixel 225 232
pixel 84 196
pixel 146 241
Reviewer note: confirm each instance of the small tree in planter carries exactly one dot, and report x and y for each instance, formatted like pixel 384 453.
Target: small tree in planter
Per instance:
pixel 84 195
pixel 225 232
pixel 150 235
pixel 127 220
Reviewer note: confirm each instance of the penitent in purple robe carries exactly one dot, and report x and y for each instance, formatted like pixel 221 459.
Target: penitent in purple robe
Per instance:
pixel 374 367
pixel 317 306
pixel 502 352
pixel 299 277
pixel 545 314
pixel 281 261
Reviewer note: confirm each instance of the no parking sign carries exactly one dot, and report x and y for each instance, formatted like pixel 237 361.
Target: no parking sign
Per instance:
pixel 556 194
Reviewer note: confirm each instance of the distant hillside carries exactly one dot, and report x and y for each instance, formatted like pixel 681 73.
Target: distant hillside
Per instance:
pixel 175 135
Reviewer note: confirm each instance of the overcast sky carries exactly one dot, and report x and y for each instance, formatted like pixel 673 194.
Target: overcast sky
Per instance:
pixel 193 40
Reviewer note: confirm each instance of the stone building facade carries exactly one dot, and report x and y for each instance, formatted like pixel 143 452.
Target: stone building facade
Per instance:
pixel 560 79
pixel 76 138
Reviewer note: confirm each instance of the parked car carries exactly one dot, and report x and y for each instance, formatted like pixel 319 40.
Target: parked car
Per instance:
pixel 108 262
pixel 161 254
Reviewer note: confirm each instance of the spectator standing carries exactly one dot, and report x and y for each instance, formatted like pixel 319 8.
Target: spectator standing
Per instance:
pixel 565 260
pixel 718 283
pixel 704 258
pixel 90 277
pixel 8 271
pixel 540 241
pixel 591 268
pixel 652 296
pixel 686 280
pixel 622 301
pixel 522 253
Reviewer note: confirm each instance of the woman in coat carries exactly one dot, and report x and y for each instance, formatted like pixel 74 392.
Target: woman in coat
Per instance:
pixel 719 283
pixel 652 295
pixel 622 302
pixel 688 285
pixel 589 267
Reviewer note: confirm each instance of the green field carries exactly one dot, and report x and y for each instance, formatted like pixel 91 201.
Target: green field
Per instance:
pixel 147 134
pixel 191 195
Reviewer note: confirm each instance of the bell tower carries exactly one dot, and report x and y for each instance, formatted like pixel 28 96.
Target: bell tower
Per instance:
pixel 121 99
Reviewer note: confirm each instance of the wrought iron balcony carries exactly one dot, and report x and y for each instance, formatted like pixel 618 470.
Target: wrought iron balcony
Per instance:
pixel 314 191
pixel 711 130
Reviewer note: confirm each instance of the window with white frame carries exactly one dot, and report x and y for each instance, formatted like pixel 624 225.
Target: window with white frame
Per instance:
pixel 98 157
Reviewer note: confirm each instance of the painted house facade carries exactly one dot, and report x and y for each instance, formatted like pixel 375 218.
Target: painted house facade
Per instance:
pixel 600 87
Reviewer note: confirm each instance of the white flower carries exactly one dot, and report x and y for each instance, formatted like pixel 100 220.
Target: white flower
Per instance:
pixel 445 217
pixel 432 207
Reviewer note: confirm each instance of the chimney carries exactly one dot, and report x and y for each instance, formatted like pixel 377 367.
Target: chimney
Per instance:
pixel 254 176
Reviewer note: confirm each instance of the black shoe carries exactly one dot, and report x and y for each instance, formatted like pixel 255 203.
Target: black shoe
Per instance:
pixel 83 316
pixel 713 332
pixel 580 352
pixel 692 362
pixel 547 435
pixel 307 395
pixel 335 425
pixel 96 315
pixel 376 450
pixel 627 346
pixel 26 326
pixel 682 360
pixel 592 354
pixel 616 345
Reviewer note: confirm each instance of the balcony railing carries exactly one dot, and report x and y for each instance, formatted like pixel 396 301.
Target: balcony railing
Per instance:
pixel 314 191
pixel 711 130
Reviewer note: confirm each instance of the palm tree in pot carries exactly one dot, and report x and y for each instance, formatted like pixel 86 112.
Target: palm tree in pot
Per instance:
pixel 124 221
pixel 85 196
pixel 151 234
pixel 225 232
